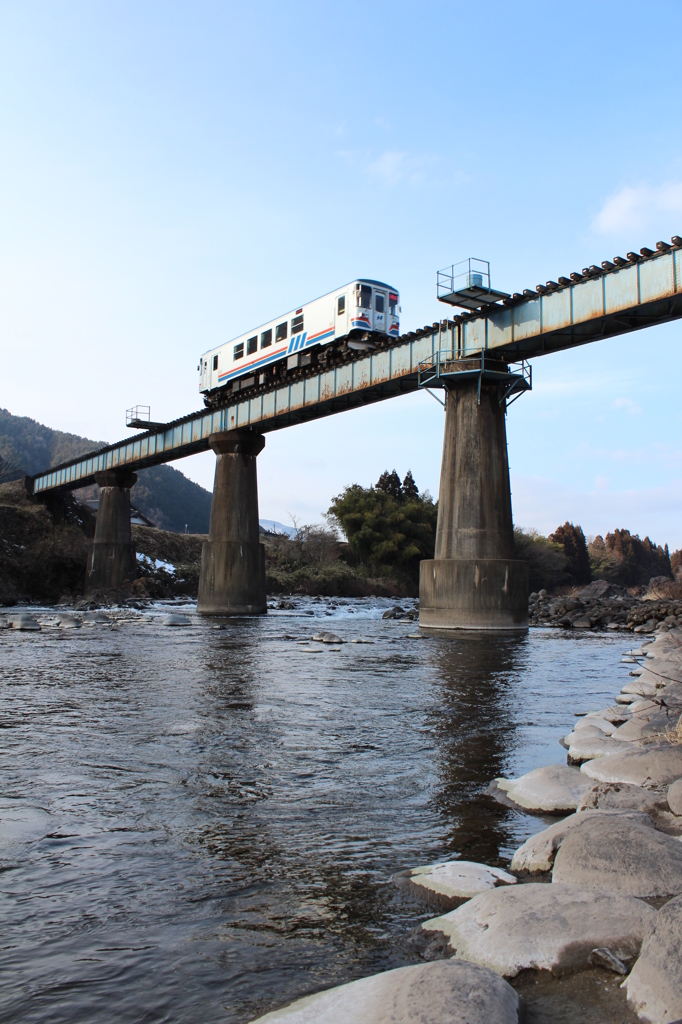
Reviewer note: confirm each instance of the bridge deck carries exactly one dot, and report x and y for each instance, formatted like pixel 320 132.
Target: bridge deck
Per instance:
pixel 602 304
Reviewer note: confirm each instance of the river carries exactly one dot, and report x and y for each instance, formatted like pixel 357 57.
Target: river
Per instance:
pixel 201 823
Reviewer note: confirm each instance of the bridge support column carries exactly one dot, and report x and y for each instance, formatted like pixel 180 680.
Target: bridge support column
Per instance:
pixel 474 582
pixel 232 580
pixel 111 557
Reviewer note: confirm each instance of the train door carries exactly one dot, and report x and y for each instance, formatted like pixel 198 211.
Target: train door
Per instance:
pixel 379 310
pixel 340 317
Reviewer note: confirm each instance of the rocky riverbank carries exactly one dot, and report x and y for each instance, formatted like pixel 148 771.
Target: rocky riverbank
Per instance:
pixel 585 925
pixel 602 605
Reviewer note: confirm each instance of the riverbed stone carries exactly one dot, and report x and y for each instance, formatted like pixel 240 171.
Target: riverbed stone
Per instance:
pixel 443 992
pixel 601 724
pixel 616 714
pixel 640 687
pixel 654 986
pixel 587 747
pixel 651 765
pixel 69 622
pixel 537 854
pixel 448 884
pixel 552 789
pixel 621 796
pixel 675 797
pixel 175 619
pixel 543 927
pixel 25 623
pixel 615 853
pixel 648 721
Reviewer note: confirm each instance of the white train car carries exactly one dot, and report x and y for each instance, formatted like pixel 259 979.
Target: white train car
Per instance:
pixel 359 312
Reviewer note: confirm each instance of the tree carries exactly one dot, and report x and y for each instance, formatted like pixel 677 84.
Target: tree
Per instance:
pixel 410 489
pixel 572 539
pixel 387 531
pixel 623 558
pixel 389 483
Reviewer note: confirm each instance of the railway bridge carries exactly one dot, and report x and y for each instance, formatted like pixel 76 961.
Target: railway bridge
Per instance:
pixel 478 357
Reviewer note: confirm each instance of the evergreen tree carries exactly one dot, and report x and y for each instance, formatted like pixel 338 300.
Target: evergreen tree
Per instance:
pixel 572 539
pixel 389 483
pixel 410 489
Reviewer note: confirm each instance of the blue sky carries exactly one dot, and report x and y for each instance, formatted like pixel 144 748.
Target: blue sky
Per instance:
pixel 175 173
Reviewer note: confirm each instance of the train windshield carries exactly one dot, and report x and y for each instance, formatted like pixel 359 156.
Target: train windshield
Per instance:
pixel 365 296
pixel 392 303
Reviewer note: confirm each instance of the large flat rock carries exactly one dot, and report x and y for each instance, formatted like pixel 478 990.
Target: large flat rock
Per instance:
pixel 654 986
pixel 651 721
pixel 537 854
pixel 652 765
pixel 615 853
pixel 621 796
pixel 444 992
pixel 448 884
pixel 543 927
pixel 585 747
pixel 552 789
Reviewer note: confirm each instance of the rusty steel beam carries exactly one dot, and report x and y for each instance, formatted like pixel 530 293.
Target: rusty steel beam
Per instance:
pixel 600 303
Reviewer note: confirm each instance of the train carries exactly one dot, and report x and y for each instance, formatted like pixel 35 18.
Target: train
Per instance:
pixel 354 317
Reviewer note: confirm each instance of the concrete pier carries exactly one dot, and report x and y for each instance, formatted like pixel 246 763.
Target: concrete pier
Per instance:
pixel 232 580
pixel 111 557
pixel 474 582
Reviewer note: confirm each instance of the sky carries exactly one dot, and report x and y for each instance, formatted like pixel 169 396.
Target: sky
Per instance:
pixel 174 173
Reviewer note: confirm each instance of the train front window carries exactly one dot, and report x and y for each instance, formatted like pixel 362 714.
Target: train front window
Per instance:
pixel 297 325
pixel 266 339
pixel 238 350
pixel 365 296
pixel 392 304
pixel 252 345
pixel 379 303
pixel 281 332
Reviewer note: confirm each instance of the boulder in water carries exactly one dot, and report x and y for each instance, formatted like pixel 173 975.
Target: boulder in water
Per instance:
pixel 538 852
pixel 552 789
pixel 543 927
pixel 614 853
pixel 443 992
pixel 25 623
pixel 653 765
pixel 447 884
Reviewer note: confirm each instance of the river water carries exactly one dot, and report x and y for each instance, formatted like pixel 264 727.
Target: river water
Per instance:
pixel 200 824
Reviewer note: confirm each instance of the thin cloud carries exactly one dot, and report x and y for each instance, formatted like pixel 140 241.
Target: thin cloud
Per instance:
pixel 626 403
pixel 639 206
pixel 394 166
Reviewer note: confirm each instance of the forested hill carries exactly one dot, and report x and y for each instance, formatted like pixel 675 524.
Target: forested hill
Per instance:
pixel 165 496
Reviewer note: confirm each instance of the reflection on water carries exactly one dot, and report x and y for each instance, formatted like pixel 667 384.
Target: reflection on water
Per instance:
pixel 202 823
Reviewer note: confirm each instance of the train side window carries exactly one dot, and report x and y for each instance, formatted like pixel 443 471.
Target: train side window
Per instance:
pixel 215 362
pixel 379 303
pixel 252 345
pixel 365 296
pixel 266 339
pixel 296 325
pixel 281 332
pixel 238 350
pixel 341 304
